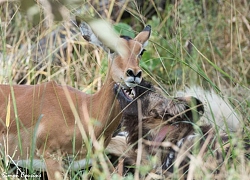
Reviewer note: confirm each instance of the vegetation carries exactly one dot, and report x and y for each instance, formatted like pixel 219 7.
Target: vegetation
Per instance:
pixel 205 43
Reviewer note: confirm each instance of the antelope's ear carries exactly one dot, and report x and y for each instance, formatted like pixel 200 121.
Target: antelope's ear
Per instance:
pixel 89 35
pixel 143 36
pixel 101 34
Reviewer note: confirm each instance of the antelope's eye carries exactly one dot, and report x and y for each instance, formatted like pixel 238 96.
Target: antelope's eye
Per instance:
pixel 141 53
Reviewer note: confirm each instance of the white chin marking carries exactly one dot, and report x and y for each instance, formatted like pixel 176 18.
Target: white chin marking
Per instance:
pixel 132 81
pixel 130 84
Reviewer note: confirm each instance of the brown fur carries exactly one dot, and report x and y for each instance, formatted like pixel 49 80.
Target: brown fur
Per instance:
pixel 51 115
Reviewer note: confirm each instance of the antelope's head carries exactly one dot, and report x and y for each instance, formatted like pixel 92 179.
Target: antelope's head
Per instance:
pixel 125 66
pixel 124 55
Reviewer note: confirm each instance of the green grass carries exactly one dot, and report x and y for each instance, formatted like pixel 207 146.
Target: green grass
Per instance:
pixel 203 43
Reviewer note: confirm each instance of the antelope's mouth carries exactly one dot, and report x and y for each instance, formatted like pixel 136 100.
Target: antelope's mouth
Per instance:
pixel 125 92
pixel 129 92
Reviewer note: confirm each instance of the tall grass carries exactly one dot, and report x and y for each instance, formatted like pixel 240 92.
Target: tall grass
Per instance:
pixel 204 43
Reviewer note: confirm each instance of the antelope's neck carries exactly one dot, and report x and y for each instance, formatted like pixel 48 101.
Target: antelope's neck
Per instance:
pixel 104 110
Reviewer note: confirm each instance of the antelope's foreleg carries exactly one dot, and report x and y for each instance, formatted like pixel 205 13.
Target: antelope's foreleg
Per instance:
pixel 54 169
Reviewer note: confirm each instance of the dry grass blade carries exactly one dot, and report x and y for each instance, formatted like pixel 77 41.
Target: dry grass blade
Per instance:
pixel 7 121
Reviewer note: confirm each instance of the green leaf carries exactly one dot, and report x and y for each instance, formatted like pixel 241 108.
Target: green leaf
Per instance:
pixel 124 29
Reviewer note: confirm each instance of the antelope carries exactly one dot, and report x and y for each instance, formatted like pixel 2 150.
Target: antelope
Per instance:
pixel 41 124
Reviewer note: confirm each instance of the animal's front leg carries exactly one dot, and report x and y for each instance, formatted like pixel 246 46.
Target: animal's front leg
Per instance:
pixel 54 168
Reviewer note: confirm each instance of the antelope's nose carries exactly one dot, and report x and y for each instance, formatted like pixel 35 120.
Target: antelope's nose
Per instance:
pixel 132 73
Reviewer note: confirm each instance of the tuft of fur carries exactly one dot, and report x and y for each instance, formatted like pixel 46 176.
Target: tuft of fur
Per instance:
pixel 218 111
